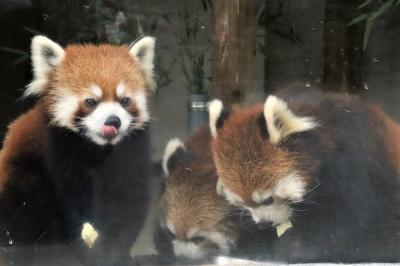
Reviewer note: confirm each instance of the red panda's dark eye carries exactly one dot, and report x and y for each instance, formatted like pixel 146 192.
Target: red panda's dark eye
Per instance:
pixel 198 239
pixel 169 234
pixel 90 102
pixel 267 201
pixel 125 101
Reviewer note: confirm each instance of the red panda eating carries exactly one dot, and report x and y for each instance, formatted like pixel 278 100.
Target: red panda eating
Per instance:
pixel 327 164
pixel 194 218
pixel 79 159
pixel 195 222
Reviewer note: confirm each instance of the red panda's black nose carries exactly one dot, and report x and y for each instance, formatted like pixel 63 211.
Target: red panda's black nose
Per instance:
pixel 113 121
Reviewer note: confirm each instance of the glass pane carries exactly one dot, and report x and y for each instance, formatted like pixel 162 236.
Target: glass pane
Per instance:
pixel 199 132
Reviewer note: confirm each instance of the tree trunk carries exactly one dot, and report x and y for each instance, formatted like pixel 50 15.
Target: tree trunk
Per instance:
pixel 343 56
pixel 233 49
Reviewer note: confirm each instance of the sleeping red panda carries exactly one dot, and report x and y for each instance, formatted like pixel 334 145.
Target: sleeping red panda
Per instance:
pixel 196 223
pixel 81 155
pixel 195 219
pixel 328 164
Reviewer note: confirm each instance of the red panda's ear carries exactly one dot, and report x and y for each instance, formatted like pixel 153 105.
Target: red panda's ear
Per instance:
pixel 143 51
pixel 281 121
pixel 217 115
pixel 173 152
pixel 46 56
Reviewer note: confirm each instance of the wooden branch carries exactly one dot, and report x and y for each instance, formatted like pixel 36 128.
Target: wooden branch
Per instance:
pixel 233 49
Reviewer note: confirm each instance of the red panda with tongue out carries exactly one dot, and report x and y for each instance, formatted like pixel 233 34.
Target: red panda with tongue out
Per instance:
pixel 81 155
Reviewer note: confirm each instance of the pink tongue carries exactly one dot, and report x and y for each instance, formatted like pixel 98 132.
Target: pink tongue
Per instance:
pixel 109 131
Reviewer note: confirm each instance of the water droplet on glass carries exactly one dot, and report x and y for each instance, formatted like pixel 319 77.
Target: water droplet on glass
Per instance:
pixel 24 203
pixel 10 242
pixel 203 27
pixel 376 60
pixel 365 86
pixel 308 85
pixel 7 232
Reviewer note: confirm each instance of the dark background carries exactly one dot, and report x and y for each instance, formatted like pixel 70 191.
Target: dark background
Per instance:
pixel 307 41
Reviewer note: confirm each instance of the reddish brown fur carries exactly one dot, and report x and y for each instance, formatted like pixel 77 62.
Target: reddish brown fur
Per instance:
pixel 392 134
pixel 25 139
pixel 255 153
pixel 190 198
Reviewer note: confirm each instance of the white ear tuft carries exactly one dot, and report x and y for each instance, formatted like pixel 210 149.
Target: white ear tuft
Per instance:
pixel 143 51
pixel 170 149
pixel 46 56
pixel 282 122
pixel 215 108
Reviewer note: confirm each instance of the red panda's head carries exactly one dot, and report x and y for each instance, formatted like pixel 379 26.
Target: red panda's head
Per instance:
pixel 198 221
pixel 99 91
pixel 255 172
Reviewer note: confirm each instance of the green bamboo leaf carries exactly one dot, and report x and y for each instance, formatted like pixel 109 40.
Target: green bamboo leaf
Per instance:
pixel 21 59
pixel 367 32
pixel 358 19
pixel 383 8
pixel 365 4
pixel 14 51
pixel 36 32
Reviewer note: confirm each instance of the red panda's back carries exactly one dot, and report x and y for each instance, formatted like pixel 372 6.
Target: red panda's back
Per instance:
pixel 25 137
pixel 390 133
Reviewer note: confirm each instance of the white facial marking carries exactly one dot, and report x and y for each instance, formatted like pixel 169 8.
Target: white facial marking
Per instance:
pixel 120 90
pixel 224 242
pixel 191 232
pixel 232 197
pixel 95 120
pixel 195 251
pixel 97 91
pixel 170 149
pixel 141 103
pixel 188 249
pixel 258 196
pixel 291 187
pixel 170 226
pixel 276 213
pixel 64 110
